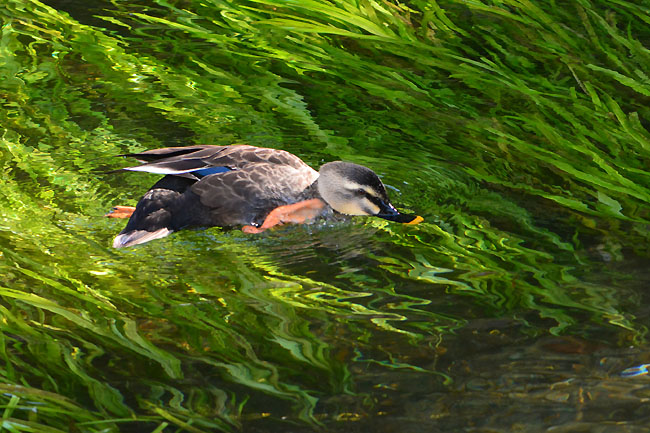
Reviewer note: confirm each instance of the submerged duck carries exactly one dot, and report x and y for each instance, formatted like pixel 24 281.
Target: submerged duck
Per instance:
pixel 257 188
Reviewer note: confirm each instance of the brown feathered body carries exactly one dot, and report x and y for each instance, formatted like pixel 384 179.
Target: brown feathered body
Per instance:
pixel 214 186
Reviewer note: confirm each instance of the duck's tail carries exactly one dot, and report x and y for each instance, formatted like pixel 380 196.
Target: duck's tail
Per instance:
pixel 137 237
pixel 160 212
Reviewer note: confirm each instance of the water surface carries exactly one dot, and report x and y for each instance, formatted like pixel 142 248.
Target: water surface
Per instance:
pixel 518 131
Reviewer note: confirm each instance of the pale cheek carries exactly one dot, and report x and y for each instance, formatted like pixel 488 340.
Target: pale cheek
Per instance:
pixel 365 207
pixel 351 209
pixel 372 208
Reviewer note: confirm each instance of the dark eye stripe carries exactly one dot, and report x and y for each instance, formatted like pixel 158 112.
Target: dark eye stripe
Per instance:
pixel 375 200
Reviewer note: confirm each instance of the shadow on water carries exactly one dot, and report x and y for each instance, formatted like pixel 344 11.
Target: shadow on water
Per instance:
pixel 519 304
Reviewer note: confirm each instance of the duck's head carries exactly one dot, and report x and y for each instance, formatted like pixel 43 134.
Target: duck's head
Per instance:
pixel 353 189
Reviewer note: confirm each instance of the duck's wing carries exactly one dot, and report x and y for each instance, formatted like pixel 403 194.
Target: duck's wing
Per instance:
pixel 247 195
pixel 199 161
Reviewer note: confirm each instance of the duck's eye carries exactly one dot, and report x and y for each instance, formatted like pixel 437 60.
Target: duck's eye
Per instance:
pixel 360 192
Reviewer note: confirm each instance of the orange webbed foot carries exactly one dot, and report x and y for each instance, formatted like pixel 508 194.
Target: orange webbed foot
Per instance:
pixel 252 229
pixel 121 212
pixel 297 213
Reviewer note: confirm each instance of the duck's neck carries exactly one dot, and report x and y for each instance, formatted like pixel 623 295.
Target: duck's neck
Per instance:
pixel 311 192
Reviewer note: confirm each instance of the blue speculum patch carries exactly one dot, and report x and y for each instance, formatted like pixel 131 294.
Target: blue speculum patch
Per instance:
pixel 212 170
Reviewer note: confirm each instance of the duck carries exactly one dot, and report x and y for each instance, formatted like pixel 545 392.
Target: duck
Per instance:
pixel 253 187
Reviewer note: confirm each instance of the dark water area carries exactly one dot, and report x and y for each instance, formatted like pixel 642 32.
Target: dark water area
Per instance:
pixel 517 130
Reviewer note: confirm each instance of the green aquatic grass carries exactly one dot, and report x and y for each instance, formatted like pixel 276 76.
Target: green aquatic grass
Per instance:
pixel 518 129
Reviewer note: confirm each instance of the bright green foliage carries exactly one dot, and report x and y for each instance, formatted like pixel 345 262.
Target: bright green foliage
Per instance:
pixel 518 129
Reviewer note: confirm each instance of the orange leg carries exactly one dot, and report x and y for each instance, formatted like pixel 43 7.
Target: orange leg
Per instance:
pixel 291 213
pixel 121 212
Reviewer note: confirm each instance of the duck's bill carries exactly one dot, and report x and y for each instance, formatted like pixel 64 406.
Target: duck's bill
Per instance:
pixel 388 212
pixel 402 218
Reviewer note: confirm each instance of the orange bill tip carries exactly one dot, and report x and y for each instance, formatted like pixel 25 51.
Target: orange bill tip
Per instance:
pixel 417 220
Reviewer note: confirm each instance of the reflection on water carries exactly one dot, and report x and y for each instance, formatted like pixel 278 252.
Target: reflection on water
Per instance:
pixel 519 304
pixel 560 384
